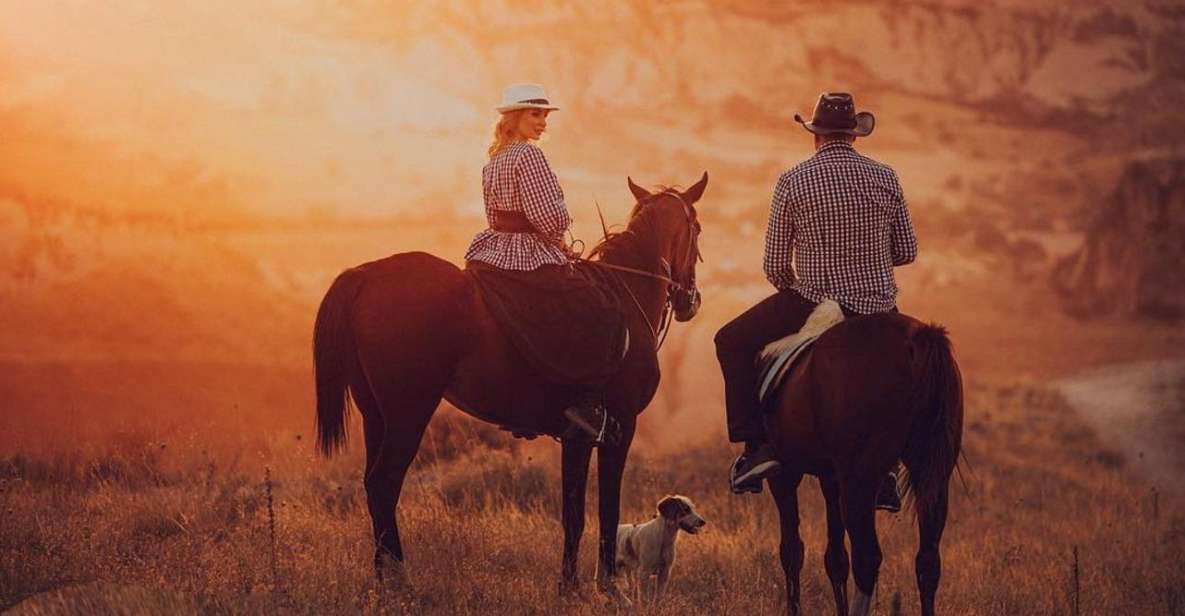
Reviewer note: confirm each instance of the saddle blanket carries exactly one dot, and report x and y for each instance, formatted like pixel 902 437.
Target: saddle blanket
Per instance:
pixel 566 321
pixel 777 358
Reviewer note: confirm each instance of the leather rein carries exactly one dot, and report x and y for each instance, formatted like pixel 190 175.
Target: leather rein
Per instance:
pixel 659 334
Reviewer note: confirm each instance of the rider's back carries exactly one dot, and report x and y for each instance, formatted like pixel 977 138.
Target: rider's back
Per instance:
pixel 850 228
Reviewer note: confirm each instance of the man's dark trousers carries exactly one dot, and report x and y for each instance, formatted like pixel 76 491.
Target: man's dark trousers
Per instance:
pixel 737 345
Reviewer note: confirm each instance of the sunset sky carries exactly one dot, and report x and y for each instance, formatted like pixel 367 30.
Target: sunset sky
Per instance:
pixel 287 107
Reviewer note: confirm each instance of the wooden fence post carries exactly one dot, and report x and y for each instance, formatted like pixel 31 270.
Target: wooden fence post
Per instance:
pixel 1074 604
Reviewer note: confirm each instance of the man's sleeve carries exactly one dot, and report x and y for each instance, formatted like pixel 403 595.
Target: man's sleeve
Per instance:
pixel 903 244
pixel 542 198
pixel 779 238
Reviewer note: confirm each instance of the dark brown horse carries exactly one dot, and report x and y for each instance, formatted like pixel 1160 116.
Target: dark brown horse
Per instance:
pixel 873 390
pixel 403 332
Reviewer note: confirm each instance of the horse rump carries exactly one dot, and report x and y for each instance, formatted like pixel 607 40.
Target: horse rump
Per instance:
pixel 932 451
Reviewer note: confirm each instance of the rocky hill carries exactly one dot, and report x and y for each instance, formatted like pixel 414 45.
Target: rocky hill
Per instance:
pixel 140 145
pixel 1130 260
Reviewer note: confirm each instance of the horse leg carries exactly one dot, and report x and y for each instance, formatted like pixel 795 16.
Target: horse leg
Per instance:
pixel 931 523
pixel 403 426
pixel 857 499
pixel 575 481
pixel 610 468
pixel 785 492
pixel 372 432
pixel 836 557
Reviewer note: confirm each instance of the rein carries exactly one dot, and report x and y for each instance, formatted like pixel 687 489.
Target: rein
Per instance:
pixel 621 268
pixel 659 334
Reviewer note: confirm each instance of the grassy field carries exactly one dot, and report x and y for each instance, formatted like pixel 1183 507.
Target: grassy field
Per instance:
pixel 265 527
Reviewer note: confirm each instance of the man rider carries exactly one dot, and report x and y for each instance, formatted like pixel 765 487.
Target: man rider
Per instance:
pixel 838 225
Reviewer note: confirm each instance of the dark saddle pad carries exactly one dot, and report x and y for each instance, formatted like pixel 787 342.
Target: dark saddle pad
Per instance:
pixel 566 321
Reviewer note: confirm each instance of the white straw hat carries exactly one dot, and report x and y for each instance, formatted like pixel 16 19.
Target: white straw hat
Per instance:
pixel 525 96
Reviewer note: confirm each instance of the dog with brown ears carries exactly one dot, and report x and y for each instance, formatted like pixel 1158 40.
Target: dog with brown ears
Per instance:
pixel 647 550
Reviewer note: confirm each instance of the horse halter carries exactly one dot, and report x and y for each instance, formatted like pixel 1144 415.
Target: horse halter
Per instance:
pixel 693 253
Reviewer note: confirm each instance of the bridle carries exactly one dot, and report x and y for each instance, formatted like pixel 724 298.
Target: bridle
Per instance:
pixel 687 287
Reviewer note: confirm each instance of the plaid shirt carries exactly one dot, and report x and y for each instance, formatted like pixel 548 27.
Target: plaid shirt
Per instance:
pixel 838 225
pixel 519 179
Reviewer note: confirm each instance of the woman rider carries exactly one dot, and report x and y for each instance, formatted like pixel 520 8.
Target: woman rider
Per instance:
pixel 523 251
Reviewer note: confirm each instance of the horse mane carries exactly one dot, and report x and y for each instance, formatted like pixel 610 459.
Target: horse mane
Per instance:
pixel 613 241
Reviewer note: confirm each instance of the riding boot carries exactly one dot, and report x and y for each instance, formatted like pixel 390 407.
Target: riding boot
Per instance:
pixel 589 421
pixel 888 497
pixel 754 465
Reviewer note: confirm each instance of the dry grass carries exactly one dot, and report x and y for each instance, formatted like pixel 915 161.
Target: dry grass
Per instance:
pixel 143 528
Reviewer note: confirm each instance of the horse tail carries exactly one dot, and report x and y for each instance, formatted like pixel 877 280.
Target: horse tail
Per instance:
pixel 333 359
pixel 932 451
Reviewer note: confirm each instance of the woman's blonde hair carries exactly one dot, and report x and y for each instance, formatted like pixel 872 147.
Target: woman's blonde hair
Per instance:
pixel 505 131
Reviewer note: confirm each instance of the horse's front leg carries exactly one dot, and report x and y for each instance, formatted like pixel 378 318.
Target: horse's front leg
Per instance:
pixel 575 481
pixel 610 468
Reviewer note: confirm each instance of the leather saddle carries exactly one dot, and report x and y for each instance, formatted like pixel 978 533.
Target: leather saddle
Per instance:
pixel 779 358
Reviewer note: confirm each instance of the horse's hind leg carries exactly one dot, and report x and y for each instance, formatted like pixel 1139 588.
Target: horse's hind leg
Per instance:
pixel 836 557
pixel 931 523
pixel 405 416
pixel 785 493
pixel 857 500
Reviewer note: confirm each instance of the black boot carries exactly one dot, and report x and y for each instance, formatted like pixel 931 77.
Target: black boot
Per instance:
pixel 888 498
pixel 756 464
pixel 589 421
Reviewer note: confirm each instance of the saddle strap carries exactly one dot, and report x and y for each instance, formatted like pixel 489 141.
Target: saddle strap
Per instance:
pixel 510 221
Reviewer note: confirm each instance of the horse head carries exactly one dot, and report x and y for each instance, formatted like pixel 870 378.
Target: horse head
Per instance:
pixel 675 217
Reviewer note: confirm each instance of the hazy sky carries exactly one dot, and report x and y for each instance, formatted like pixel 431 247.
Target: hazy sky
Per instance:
pixel 287 107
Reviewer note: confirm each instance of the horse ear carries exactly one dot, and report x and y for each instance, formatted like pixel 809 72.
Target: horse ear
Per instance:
pixel 695 192
pixel 639 192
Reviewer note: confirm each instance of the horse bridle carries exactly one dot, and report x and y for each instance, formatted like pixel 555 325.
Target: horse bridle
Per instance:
pixel 673 286
pixel 693 252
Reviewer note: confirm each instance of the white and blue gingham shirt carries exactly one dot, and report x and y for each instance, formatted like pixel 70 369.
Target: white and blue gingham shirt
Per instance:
pixel 838 224
pixel 519 179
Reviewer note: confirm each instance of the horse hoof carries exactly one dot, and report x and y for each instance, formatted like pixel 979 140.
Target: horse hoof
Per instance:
pixel 391 572
pixel 615 596
pixel 861 604
pixel 570 590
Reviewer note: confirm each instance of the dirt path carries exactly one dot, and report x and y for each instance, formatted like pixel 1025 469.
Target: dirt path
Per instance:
pixel 1138 408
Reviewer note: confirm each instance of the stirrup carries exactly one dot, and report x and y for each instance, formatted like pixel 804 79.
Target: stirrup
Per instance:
pixel 756 476
pixel 608 433
pixel 888 496
pixel 752 486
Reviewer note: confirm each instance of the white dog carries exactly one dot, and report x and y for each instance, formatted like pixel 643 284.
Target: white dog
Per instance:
pixel 645 550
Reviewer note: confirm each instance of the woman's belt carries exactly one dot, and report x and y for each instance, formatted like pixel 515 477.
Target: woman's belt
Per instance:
pixel 509 221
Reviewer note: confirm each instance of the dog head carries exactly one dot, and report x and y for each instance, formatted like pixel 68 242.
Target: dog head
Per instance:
pixel 680 511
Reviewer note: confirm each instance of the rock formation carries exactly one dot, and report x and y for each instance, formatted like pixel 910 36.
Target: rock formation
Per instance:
pixel 1131 257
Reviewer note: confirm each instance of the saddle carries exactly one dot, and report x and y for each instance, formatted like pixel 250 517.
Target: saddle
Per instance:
pixel 566 321
pixel 778 359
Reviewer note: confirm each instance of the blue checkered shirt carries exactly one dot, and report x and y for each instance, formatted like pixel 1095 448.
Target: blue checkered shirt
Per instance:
pixel 838 224
pixel 519 179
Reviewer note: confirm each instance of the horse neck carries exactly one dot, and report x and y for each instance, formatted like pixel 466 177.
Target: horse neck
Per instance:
pixel 641 248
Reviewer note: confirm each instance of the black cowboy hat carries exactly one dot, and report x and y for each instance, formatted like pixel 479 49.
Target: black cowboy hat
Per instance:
pixel 835 114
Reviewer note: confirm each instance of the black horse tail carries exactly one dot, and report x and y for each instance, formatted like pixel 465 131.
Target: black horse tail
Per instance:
pixel 333 360
pixel 932 451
